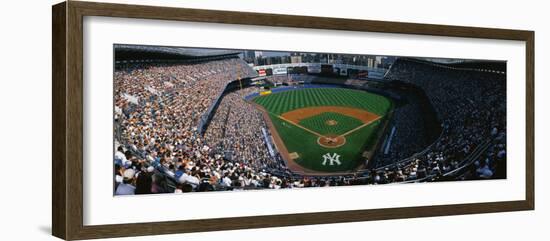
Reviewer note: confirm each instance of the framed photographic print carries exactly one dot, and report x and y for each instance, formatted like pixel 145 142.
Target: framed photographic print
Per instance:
pixel 171 120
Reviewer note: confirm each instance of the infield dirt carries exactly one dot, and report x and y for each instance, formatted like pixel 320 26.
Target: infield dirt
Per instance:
pixel 303 113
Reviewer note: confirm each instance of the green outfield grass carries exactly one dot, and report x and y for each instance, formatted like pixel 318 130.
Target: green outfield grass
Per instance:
pixel 305 143
pixel 282 102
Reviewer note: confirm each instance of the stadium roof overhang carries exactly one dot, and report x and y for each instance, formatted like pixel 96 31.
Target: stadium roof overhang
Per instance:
pixel 137 53
pixel 492 65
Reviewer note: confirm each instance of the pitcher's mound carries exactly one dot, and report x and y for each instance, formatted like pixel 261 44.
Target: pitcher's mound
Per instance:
pixel 331 122
pixel 331 141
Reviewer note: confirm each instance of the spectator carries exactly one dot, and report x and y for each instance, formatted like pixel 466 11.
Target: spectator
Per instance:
pixel 127 187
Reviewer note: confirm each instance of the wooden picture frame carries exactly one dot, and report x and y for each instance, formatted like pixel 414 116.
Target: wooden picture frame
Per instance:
pixel 67 122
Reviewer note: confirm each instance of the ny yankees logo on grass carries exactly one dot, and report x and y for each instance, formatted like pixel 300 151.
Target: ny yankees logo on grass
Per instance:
pixel 334 158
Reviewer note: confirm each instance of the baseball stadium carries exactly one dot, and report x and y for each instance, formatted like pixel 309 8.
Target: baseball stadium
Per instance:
pixel 198 120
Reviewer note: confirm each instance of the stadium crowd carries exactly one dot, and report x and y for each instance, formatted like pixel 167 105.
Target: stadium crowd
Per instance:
pixel 157 110
pixel 409 136
pixel 472 107
pixel 159 149
pixel 236 129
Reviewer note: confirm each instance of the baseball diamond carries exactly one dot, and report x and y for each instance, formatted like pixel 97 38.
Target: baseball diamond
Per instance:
pixel 325 130
pixel 199 120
